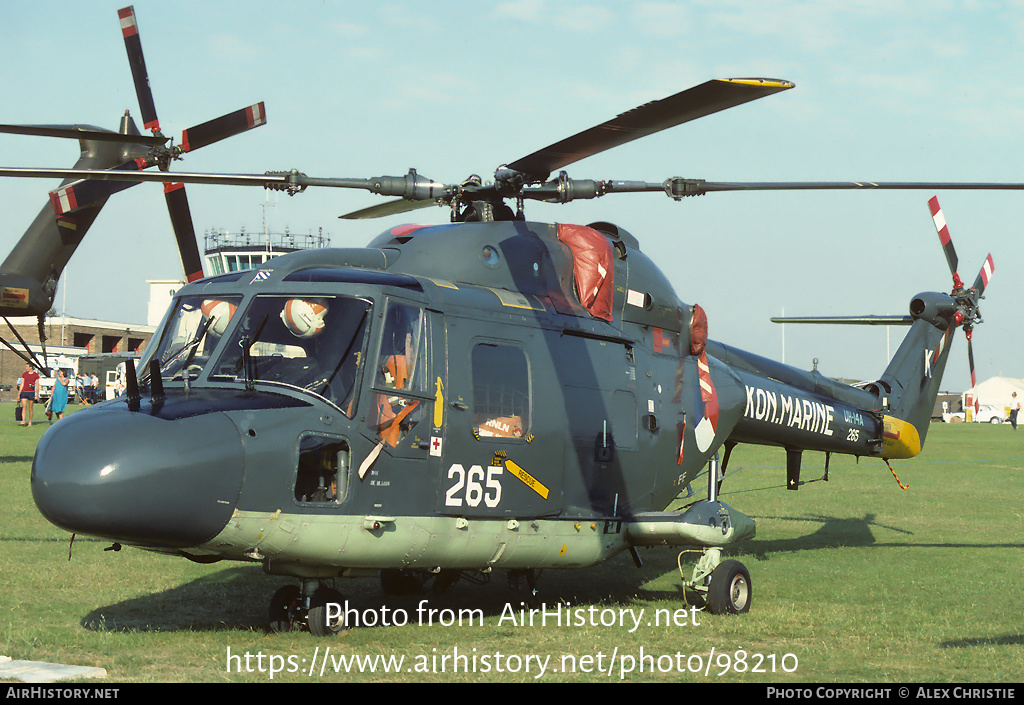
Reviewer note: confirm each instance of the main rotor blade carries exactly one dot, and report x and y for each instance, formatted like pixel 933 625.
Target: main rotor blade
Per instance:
pixel 184 231
pixel 266 180
pixel 847 320
pixel 81 132
pixel 677 187
pixel 133 44
pixel 416 189
pixel 693 103
pixel 698 187
pixel 225 126
pixel 411 186
pixel 393 207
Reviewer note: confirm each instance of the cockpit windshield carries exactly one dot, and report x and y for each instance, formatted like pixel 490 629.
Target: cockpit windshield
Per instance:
pixel 192 331
pixel 312 343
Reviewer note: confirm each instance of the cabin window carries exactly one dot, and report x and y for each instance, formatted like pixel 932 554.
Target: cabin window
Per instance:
pixel 501 391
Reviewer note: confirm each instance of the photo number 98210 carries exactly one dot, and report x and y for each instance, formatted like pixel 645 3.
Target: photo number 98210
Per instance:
pixel 474 486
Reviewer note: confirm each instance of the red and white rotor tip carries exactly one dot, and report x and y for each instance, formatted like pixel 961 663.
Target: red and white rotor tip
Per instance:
pixel 947 242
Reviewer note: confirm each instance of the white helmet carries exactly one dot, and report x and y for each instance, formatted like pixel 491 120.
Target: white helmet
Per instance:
pixel 305 319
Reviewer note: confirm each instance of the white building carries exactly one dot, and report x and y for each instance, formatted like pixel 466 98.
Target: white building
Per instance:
pixel 997 391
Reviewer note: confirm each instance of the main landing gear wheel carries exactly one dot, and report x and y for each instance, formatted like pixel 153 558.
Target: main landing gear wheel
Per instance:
pixel 292 607
pixel 730 589
pixel 324 622
pixel 285 609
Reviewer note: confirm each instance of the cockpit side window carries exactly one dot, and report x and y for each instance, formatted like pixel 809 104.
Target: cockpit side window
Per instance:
pixel 400 373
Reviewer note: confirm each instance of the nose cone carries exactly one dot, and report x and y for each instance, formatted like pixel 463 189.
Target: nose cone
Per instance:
pixel 139 479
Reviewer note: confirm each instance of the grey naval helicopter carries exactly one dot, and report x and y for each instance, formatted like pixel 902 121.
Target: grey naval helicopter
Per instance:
pixel 486 394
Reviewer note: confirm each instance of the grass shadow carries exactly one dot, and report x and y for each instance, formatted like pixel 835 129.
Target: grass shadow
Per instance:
pixel 221 600
pixel 238 597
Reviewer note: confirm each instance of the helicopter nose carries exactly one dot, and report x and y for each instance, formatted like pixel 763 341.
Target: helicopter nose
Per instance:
pixel 140 479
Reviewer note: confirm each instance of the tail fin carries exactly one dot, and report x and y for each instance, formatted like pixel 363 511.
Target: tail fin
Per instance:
pixel 29 274
pixel 908 388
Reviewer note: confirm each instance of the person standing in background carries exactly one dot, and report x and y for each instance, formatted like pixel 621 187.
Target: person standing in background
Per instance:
pixel 59 398
pixel 28 393
pixel 80 388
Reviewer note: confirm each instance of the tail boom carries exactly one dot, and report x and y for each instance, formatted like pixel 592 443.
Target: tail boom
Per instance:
pixel 889 418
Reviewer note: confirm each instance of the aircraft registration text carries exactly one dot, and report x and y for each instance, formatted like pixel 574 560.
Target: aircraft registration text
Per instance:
pixel 789 411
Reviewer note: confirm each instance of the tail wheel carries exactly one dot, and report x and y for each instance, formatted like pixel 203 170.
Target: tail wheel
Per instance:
pixel 730 589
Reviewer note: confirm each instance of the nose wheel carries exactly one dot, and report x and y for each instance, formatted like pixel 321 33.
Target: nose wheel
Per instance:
pixel 321 609
pixel 729 591
pixel 725 586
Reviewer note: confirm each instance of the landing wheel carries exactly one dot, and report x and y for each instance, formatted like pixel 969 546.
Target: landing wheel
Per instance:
pixel 730 589
pixel 285 609
pixel 324 622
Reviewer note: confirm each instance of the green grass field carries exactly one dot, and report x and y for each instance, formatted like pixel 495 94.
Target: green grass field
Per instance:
pixel 854 580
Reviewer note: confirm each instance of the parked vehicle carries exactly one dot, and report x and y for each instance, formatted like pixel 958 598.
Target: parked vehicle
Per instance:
pixel 70 367
pixel 987 413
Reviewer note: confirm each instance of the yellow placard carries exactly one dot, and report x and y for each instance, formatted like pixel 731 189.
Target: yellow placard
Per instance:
pixel 439 404
pixel 14 297
pixel 528 479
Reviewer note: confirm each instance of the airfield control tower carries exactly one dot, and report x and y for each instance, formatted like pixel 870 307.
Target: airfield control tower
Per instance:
pixel 228 251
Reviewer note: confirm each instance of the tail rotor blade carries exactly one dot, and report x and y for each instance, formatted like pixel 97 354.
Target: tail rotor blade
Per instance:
pixel 944 238
pixel 225 126
pixel 979 286
pixel 133 44
pixel 974 377
pixel 184 231
pixel 984 275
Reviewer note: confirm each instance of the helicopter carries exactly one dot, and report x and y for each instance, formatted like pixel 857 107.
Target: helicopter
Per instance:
pixel 492 393
pixel 29 274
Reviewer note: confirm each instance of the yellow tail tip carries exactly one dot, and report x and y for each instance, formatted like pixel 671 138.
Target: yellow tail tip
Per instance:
pixel 900 439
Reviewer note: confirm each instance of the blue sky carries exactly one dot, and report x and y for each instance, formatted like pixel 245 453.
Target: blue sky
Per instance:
pixel 885 91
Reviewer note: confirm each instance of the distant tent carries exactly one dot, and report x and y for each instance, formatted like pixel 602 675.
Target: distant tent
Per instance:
pixel 996 391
